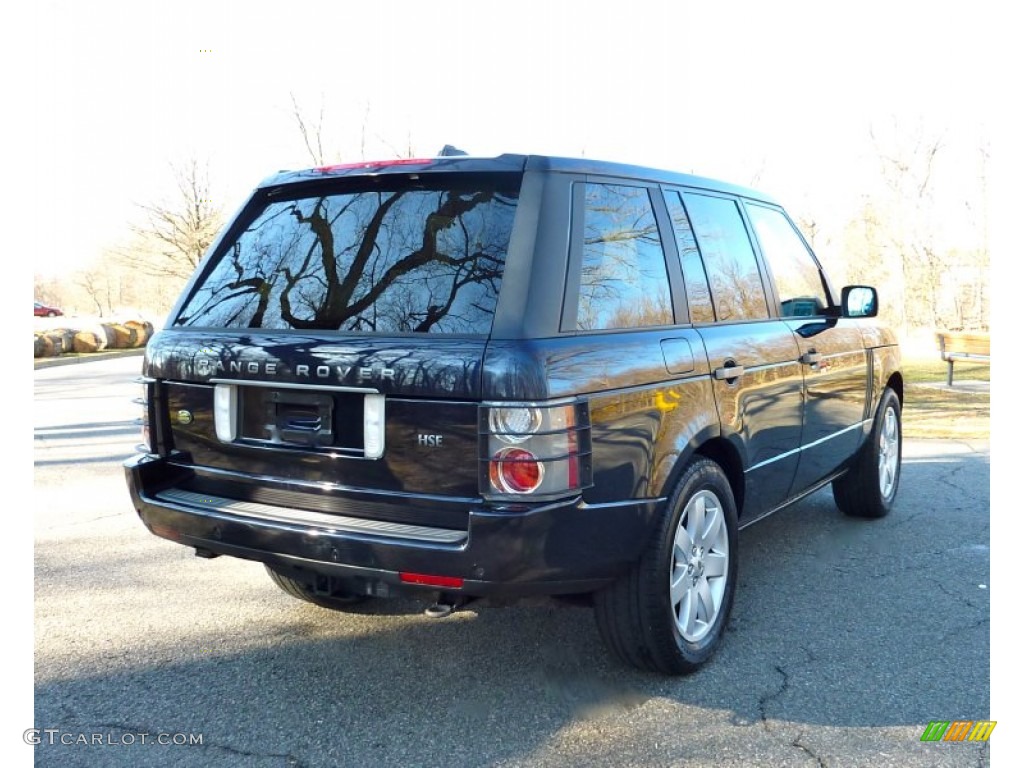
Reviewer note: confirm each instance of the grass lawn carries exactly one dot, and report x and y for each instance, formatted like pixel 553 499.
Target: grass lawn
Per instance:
pixel 941 411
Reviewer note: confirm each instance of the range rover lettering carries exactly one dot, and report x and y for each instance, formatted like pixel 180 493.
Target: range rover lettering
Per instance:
pixel 469 377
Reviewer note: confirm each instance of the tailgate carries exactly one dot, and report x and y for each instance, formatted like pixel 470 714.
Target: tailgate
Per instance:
pixel 293 413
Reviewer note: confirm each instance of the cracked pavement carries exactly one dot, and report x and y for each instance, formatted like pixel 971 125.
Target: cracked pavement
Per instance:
pixel 846 638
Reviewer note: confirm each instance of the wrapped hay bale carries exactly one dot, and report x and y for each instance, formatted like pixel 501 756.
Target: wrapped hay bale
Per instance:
pixel 107 329
pixel 57 340
pixel 124 337
pixel 68 339
pixel 90 341
pixel 143 331
pixel 47 346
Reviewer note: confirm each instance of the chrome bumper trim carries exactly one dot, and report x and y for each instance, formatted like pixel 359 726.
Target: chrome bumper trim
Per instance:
pixel 323 521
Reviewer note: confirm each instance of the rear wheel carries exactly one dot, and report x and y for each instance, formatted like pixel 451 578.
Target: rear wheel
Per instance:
pixel 334 599
pixel 669 612
pixel 869 487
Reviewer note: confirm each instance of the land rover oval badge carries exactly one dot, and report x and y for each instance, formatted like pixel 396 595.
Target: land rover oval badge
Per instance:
pixel 184 417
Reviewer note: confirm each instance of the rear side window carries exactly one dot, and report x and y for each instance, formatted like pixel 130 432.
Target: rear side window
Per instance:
pixel 624 280
pixel 698 295
pixel 736 287
pixel 797 277
pixel 423 258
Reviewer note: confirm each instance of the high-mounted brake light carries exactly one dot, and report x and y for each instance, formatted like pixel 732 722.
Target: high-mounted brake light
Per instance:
pixel 375 164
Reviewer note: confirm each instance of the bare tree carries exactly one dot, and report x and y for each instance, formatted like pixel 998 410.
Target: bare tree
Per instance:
pixel 47 290
pixel 408 152
pixel 810 228
pixel 867 259
pixel 908 164
pixel 323 150
pixel 312 133
pixel 176 234
pixel 97 285
pixel 972 297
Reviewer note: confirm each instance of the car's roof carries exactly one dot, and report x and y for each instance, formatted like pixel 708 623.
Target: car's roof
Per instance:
pixel 509 163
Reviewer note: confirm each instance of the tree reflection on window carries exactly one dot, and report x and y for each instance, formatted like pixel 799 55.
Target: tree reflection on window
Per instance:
pixel 736 287
pixel 407 260
pixel 797 278
pixel 623 282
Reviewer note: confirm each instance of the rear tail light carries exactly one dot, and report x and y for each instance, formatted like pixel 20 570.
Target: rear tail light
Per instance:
pixel 536 450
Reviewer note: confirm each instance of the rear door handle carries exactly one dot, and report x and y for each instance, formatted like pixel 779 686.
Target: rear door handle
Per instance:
pixel 810 358
pixel 728 372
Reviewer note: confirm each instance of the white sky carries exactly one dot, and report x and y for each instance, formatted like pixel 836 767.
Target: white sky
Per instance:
pixel 771 94
pixel 776 94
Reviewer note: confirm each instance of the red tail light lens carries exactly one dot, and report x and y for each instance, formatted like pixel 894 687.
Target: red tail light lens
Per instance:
pixel 515 470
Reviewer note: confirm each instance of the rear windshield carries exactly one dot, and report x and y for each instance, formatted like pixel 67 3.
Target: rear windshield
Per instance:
pixel 403 257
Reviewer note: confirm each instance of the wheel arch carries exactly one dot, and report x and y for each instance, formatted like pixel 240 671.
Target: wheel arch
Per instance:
pixel 885 368
pixel 725 455
pixel 895 383
pixel 719 450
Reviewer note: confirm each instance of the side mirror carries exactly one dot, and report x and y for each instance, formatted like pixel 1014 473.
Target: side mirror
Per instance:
pixel 860 301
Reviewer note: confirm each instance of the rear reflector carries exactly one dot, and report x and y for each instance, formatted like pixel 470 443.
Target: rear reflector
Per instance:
pixel 450 582
pixel 164 531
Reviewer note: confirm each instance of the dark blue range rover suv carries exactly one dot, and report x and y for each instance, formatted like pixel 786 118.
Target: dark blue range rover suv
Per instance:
pixel 471 377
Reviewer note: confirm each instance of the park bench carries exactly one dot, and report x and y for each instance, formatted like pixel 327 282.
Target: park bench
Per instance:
pixel 956 345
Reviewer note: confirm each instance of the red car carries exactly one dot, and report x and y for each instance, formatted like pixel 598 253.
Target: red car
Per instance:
pixel 44 311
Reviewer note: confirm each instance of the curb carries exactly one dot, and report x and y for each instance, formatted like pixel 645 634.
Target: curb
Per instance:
pixel 52 362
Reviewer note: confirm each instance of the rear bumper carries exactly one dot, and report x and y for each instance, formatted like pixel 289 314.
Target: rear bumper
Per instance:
pixel 566 547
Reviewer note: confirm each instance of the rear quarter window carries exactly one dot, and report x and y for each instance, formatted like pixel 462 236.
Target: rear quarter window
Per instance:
pixel 624 279
pixel 427 258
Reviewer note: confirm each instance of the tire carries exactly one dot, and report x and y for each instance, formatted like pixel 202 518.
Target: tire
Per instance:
pixel 51 314
pixel 337 600
pixel 869 487
pixel 639 615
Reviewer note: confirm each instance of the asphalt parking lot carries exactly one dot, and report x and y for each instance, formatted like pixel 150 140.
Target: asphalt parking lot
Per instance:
pixel 846 639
